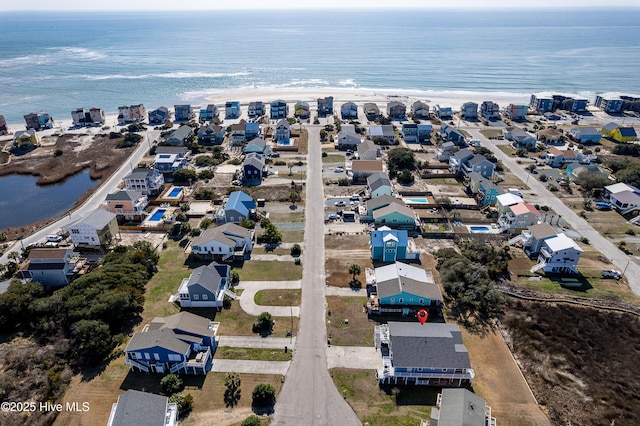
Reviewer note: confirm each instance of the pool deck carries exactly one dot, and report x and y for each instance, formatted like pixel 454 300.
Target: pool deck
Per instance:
pixel 490 230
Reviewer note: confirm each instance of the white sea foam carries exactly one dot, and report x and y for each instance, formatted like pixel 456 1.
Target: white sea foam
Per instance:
pixel 168 75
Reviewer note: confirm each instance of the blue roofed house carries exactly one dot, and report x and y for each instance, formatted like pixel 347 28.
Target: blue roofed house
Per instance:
pixel 479 164
pixel 432 354
pixel 224 243
pixel 232 109
pixel 251 130
pixel 211 134
pixel 485 192
pixel 180 136
pixel 410 132
pixel 205 287
pixel 402 289
pixel 181 343
pixel 456 407
pixel 379 184
pixel 141 408
pixel 169 159
pixel 282 132
pixel 208 113
pixel 349 110
pixel 451 134
pixel 239 206
pixel 253 168
pixel 278 109
pixel 257 146
pixel 390 245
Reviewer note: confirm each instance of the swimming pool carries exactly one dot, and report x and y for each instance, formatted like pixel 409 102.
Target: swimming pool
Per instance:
pixel 285 143
pixel 416 200
pixel 157 215
pixel 479 229
pixel 175 192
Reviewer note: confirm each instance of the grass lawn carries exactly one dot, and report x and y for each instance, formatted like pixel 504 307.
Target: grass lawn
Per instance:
pixel 225 352
pixel 262 270
pixel 507 149
pixel 278 297
pixel 359 330
pixel 491 133
pixel 292 236
pixel 278 250
pixel 337 271
pixel 287 217
pixel 236 322
pixel 303 142
pixel 398 405
pixel 342 242
pixel 333 158
pixel 512 181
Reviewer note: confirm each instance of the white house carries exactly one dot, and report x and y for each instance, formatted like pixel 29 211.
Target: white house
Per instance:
pixel 282 132
pixel 49 266
pixel 559 255
pixel 223 243
pixel 625 198
pixel 97 229
pixel 504 201
pixel 444 151
pixel 147 181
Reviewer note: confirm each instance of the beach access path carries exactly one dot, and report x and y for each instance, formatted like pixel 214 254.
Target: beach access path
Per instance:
pixel 622 261
pixel 309 396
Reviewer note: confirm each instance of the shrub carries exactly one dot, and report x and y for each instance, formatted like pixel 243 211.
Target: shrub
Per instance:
pixel 584 240
pixel 184 403
pixel 264 323
pixel 630 232
pixel 171 384
pixel 57 152
pixel 263 395
pixel 296 250
pixel 205 223
pixel 252 420
pixel 324 154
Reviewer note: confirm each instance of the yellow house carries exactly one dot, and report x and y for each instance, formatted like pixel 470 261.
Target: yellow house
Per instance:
pixel 26 138
pixel 624 134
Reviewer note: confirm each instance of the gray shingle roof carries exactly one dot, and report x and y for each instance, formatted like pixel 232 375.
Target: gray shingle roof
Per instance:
pixel 227 234
pixel 140 409
pixel 124 196
pixel 460 407
pixel 98 219
pixel 209 276
pixel 378 179
pixel 409 279
pixel 164 338
pixel 183 321
pixel 382 201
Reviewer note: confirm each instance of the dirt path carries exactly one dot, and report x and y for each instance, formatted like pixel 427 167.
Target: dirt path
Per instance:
pixel 499 381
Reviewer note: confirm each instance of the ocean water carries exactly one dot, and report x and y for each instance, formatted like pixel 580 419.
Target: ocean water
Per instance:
pixel 62 61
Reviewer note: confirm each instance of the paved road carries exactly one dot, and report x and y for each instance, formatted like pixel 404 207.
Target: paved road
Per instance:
pixel 606 247
pixel 249 290
pixel 250 366
pixel 308 396
pixel 256 342
pixel 92 202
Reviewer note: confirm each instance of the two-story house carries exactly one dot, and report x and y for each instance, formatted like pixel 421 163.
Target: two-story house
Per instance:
pixel 396 110
pixel 533 237
pixel 420 110
pixel 505 201
pixel 516 112
pixel 211 134
pixel 451 134
pixel 51 267
pixel 183 113
pixel 460 407
pixel 180 136
pixel 205 287
pixel 519 137
pixel 224 243
pixel 282 132
pixel 93 117
pixel 238 131
pixel 555 157
pixel 37 121
pixel 349 111
pixel 325 106
pixel 147 181
pixel 585 135
pixel 131 113
pixel 362 169
pixel 159 116
pixel 128 205
pixel 379 184
pixel 490 110
pixel 391 245
pixel 371 111
pixel 410 132
pixel 385 131
pixel 301 110
pixel 26 139
pixel 443 112
pixel 257 146
pixel 395 215
pixel 484 191
pixel 445 150
pixel 253 168
pixel 347 138
pixel 278 109
pixel 518 217
pixel 95 230
pixel 238 206
pixel 368 150
pixel 479 164
pixel 170 159
pixel 469 111
pixel 458 158
pixel 232 110
pixel 208 113
pixel 255 109
pixel 558 255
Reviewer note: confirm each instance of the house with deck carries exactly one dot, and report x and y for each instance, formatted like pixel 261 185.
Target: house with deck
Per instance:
pixel 469 111
pixel 282 132
pixel 180 136
pixel 255 109
pixel 479 164
pixel 555 157
pixel 325 106
pixel 443 112
pixel 37 121
pixel 585 135
pixel 391 245
pixel 458 158
pixel 385 131
pixel 516 112
pixel 257 146
pixel 51 267
pixel 349 111
pixel 607 129
pixel 26 139
pixel 127 205
pixel 159 116
pixel 624 134
pixel 211 134
pixel 424 132
pixel 396 110
pixel 518 217
pixel 371 111
pixel 238 206
pixel 182 343
pixel 533 237
pixel 232 110
pixel 485 192
pixel 253 168
pixel 624 198
pixel 170 159
pixel 451 134
pixel 410 132
pixel 456 407
pixel 402 289
pixel 550 136
pixel 505 201
pixel 93 117
pixel 420 110
pixel 238 132
pixel 97 229
pixel 142 408
pixel 183 113
pixel 558 255
pixel 610 105
pixel 278 109
pixel 209 113
pixel 301 110
pixel 541 104
pixel 519 137
pixel 147 181
pixel 444 151
pixel 368 150
pixel 131 114
pixel 379 184
pixel 432 354
pixel 347 138
pixel 224 243
pixel 490 110
pixel 205 287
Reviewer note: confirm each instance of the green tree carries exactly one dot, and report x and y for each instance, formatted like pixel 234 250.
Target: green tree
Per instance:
pixel 263 395
pixel 205 174
pixel 171 384
pixel 354 269
pixel 264 323
pixel 406 177
pixel 271 234
pixel 296 250
pixel 92 340
pixel 232 393
pixel 205 223
pixel 591 181
pixel 247 223
pixel 531 167
pixel 235 277
pixel 294 196
pixel 522 152
pixel 184 403
pixel 401 159
pixel 252 420
pixel 184 176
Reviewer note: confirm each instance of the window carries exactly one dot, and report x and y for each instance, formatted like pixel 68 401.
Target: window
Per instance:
pixel 196 297
pixel 146 355
pixel 75 231
pixel 137 355
pixel 205 297
pixel 400 300
pixel 421 301
pixel 174 357
pixel 156 356
pixel 219 249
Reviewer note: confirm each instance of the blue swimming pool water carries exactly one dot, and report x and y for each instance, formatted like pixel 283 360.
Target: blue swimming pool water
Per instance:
pixel 417 200
pixel 157 216
pixel 175 192
pixel 479 228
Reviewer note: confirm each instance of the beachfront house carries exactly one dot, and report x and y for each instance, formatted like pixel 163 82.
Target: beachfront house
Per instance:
pixel 485 192
pixel 541 104
pixel 97 229
pixel 443 112
pixel 401 289
pixel 325 106
pixel 26 139
pixel 37 121
pixel 382 134
pixel 170 159
pixel 301 110
pixel 608 104
pixel 532 238
pixel 255 109
pixel 451 134
pixel 469 111
pixel 180 136
pixel 232 109
pixel 127 205
pixel 479 164
pixel 205 287
pixel 516 112
pixel 396 110
pixel 182 343
pixel 211 134
pixel 93 117
pixel 379 184
pixel 208 113
pixel 432 354
pixel 282 133
pixel 390 245
pixel 224 243
pixel 253 168
pixel 147 181
pixel 410 132
pixel 585 135
pixel 238 206
pixel 142 408
pixel 368 150
pixel 458 158
pixel 347 138
pixel 518 217
pixel 183 113
pixel 490 110
pixel 257 146
pixel 445 150
pixel 371 111
pixel 456 407
pixel 131 114
pixel 420 110
pixel 159 116
pixel 3 126
pixel 558 255
pixel 362 169
pixel 278 109
pixel 519 137
pixel 349 111
pixel 51 267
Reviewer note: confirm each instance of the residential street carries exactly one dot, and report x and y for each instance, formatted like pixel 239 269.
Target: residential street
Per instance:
pixel 621 261
pixel 308 396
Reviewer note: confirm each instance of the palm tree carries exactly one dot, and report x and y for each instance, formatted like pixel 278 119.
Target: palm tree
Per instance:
pixel 13 256
pixel 354 270
pixel 232 394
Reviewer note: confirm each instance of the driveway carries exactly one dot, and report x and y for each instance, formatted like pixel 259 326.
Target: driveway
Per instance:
pixel 250 366
pixel 606 247
pixel 250 288
pixel 256 342
pixel 345 292
pixel 357 357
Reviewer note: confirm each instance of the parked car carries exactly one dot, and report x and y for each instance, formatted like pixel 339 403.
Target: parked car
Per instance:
pixel 355 197
pixel 611 273
pixel 236 183
pixel 333 216
pixel 54 238
pixel 338 169
pixel 340 203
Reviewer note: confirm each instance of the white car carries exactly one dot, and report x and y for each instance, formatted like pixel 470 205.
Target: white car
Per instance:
pixel 611 273
pixel 340 203
pixel 338 170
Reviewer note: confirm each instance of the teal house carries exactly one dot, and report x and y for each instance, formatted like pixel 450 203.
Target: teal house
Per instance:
pixel 402 289
pixel 389 245
pixel 395 215
pixel 484 191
